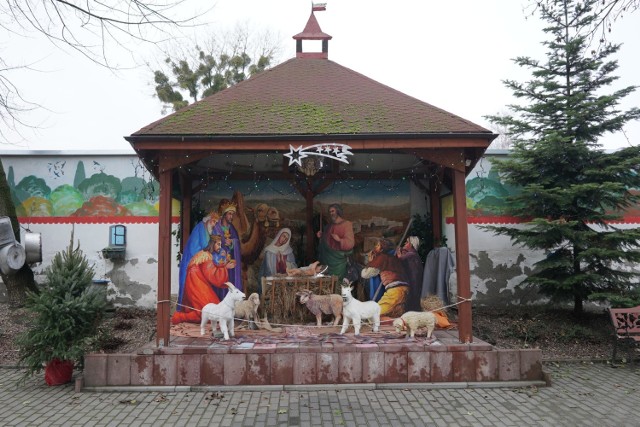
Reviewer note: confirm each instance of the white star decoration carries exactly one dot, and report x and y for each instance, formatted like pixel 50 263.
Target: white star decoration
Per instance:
pixel 340 152
pixel 295 156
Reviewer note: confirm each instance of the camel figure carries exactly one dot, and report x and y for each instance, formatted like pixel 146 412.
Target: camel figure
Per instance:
pixel 253 235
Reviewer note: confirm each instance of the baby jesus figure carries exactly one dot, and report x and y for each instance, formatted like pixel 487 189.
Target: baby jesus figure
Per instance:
pixel 313 269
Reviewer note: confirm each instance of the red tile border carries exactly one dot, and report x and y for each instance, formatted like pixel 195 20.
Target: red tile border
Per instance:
pixel 142 369
pixel 287 348
pixel 313 364
pixel 119 369
pixel 235 369
pixel 95 370
pixel 373 367
pixel 441 367
pixel 327 368
pixel 508 365
pixel 304 368
pixel 530 364
pixel 165 369
pixel 264 348
pixel 259 369
pixel 282 368
pixel 419 366
pixel 395 368
pixel 463 364
pixel 188 369
pixel 349 368
pixel 212 369
pixel 486 364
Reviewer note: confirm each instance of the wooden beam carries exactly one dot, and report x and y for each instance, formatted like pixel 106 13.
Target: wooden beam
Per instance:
pixel 462 257
pixel 163 308
pixel 229 146
pixel 452 158
pixel 321 181
pixel 175 160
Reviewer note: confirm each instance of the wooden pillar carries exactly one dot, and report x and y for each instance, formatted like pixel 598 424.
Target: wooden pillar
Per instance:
pixel 185 220
pixel 436 211
pixel 164 259
pixel 462 256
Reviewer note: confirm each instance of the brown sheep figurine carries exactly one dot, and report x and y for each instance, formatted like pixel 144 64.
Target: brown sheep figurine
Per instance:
pixel 319 304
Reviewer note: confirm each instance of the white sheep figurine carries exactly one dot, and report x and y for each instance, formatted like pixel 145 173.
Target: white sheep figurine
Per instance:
pixel 354 310
pixel 413 320
pixel 248 310
pixel 319 304
pixel 223 312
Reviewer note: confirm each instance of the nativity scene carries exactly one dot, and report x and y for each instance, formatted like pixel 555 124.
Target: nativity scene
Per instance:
pixel 292 183
pixel 268 264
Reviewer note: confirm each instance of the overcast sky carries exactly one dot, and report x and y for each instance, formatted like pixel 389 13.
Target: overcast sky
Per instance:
pixel 453 55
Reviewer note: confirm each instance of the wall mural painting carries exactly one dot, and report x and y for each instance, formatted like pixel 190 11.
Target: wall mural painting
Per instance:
pixel 269 220
pixel 71 189
pixel 487 194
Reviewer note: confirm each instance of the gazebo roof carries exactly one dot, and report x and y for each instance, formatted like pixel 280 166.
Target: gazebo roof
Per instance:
pixel 307 97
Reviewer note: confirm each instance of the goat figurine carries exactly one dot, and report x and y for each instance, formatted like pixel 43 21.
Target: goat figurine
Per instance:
pixel 319 304
pixel 223 312
pixel 355 310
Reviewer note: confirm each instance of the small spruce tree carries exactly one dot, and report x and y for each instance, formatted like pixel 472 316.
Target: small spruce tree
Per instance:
pixel 67 312
pixel 571 189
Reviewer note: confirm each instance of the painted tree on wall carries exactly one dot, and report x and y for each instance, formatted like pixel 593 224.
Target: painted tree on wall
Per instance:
pixel 570 186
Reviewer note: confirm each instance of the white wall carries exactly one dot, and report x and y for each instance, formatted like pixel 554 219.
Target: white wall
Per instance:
pixel 497 267
pixel 132 281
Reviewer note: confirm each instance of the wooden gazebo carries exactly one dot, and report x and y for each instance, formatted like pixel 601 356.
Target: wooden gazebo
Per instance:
pixel 304 101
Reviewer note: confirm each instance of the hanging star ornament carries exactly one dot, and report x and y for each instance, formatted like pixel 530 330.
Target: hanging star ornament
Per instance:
pixel 334 151
pixel 295 156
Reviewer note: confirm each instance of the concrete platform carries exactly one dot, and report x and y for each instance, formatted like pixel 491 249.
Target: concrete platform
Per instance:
pixel 260 358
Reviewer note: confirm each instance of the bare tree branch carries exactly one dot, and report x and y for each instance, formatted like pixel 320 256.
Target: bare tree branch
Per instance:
pixel 607 12
pixel 97 29
pixel 91 26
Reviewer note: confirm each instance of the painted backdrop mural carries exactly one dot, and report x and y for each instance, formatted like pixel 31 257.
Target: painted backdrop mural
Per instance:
pixel 84 188
pixel 263 209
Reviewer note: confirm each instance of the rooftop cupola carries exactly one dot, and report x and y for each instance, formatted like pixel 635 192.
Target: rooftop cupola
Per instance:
pixel 312 31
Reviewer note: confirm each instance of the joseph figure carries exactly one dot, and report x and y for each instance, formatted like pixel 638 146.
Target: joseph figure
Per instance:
pixel 336 242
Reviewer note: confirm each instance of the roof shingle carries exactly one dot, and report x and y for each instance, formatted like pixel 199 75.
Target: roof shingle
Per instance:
pixel 305 96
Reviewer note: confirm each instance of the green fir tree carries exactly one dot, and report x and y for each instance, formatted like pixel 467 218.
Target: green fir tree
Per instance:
pixel 571 188
pixel 66 313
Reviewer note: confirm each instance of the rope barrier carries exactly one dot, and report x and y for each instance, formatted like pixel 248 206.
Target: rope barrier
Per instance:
pixel 462 300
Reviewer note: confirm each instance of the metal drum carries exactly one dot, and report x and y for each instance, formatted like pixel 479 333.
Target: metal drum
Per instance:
pixel 12 258
pixel 33 247
pixel 6 231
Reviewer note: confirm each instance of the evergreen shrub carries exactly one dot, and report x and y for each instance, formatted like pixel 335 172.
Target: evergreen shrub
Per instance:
pixel 66 314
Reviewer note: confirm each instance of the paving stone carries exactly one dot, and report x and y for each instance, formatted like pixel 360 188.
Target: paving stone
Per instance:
pixel 581 394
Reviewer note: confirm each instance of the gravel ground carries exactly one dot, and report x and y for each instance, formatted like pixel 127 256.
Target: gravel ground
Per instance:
pixel 556 332
pixel 123 331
